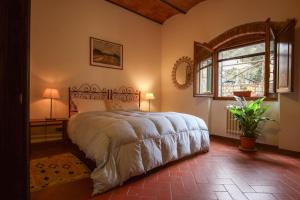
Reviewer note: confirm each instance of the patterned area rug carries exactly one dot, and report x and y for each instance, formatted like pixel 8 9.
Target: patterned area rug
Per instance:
pixel 57 169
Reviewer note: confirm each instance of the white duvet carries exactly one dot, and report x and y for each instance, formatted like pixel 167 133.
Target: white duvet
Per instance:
pixel 125 144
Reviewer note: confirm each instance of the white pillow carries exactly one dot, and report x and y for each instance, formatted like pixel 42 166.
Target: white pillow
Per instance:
pixel 87 105
pixel 133 106
pixel 120 105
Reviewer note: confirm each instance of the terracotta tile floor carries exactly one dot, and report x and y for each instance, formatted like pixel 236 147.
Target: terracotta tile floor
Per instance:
pixel 224 173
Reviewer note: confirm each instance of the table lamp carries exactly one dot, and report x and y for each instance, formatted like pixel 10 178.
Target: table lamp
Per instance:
pixel 149 96
pixel 51 93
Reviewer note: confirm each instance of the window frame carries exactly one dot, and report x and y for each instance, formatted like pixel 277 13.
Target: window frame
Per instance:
pixel 216 83
pixel 209 81
pixel 245 35
pixel 196 63
pixel 272 33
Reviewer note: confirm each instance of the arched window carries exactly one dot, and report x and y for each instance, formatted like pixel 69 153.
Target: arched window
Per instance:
pixel 248 59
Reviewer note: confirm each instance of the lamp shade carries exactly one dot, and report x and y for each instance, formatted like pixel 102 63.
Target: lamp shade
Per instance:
pixel 149 96
pixel 51 93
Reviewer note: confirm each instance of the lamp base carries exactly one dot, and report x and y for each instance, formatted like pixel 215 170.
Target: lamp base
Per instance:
pixel 149 105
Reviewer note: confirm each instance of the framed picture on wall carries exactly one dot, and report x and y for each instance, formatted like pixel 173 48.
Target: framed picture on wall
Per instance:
pixel 106 54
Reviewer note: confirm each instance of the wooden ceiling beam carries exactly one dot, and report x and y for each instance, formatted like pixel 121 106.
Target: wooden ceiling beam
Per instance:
pixel 173 6
pixel 156 21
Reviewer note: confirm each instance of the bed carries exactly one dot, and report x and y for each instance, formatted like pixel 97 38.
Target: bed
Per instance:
pixel 122 144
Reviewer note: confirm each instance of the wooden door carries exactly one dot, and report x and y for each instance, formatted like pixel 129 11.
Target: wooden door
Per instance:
pixel 14 69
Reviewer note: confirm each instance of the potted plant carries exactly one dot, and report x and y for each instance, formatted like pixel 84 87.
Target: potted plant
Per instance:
pixel 246 93
pixel 250 116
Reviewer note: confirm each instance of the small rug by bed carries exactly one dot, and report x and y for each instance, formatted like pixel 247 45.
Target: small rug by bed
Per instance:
pixel 57 169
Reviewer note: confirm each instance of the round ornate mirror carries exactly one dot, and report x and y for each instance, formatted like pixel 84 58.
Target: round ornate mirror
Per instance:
pixel 182 72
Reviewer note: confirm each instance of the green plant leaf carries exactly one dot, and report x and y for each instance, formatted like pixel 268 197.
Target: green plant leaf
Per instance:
pixel 249 115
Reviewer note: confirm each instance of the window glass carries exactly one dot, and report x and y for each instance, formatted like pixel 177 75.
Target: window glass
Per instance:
pixel 242 51
pixel 205 69
pixel 272 67
pixel 205 63
pixel 242 74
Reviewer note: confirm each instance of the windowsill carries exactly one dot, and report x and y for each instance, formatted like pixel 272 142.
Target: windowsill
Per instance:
pixel 247 98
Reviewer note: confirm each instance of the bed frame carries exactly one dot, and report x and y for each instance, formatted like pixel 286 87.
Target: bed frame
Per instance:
pixel 93 91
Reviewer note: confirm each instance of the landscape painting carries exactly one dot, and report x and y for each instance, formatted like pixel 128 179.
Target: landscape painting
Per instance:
pixel 106 54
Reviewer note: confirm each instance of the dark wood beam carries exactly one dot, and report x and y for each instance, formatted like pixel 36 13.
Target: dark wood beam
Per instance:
pixel 173 6
pixel 156 21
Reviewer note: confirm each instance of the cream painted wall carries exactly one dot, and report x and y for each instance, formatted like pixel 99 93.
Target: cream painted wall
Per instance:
pixel 204 22
pixel 60 31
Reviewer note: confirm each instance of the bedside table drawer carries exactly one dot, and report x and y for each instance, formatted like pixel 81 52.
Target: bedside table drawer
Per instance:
pixel 46 130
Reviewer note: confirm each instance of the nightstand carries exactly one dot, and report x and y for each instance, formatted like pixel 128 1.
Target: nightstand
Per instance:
pixel 44 130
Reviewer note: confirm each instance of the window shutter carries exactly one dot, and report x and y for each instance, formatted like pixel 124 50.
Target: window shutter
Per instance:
pixel 203 70
pixel 285 51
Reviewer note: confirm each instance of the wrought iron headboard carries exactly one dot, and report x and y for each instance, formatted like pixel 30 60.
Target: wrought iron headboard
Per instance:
pixel 86 91
pixel 93 91
pixel 126 94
